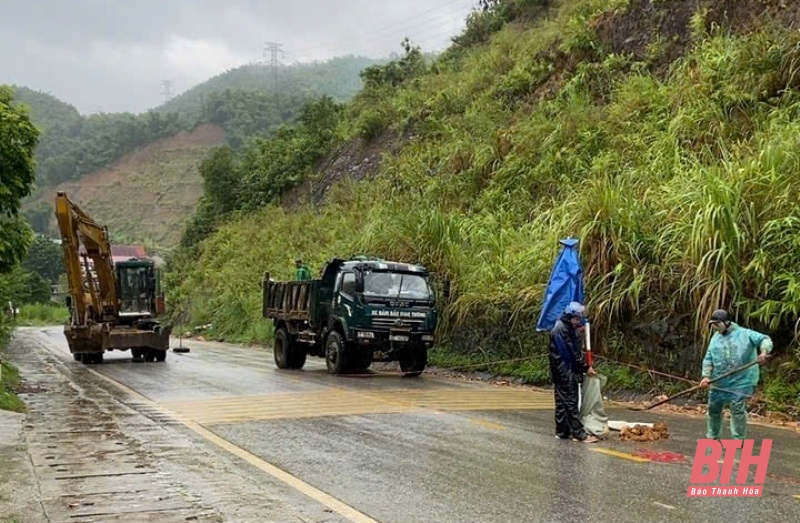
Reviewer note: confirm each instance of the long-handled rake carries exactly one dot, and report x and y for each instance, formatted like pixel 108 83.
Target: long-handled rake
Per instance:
pixel 696 387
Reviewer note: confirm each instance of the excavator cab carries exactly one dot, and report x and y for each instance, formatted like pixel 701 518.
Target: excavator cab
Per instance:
pixel 136 282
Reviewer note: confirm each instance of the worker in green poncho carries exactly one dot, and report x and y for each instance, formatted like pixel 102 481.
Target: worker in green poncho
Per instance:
pixel 730 347
pixel 301 271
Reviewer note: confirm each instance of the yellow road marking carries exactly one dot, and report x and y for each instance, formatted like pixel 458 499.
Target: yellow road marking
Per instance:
pixel 488 424
pixel 797 496
pixel 340 402
pixel 618 454
pixel 314 493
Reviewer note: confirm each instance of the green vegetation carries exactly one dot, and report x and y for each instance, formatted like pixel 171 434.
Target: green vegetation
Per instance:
pixel 45 258
pixel 9 378
pixel 337 78
pixel 18 138
pixel 40 314
pixel 672 156
pixel 242 101
pixel 73 145
pixel 264 169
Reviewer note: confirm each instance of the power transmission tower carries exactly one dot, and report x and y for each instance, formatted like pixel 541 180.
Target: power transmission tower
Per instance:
pixel 273 48
pixel 167 90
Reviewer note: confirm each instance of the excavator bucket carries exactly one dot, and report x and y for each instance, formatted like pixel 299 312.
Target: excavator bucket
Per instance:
pixel 101 337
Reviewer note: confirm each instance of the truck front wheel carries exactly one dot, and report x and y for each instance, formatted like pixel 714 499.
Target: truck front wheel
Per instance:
pixel 413 362
pixel 334 353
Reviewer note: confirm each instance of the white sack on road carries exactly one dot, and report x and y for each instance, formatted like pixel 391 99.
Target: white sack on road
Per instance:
pixel 593 412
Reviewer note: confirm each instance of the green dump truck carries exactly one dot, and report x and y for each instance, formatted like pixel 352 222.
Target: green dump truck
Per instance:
pixel 358 311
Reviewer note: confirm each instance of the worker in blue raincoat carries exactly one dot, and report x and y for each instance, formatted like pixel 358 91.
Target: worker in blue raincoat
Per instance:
pixel 730 347
pixel 567 367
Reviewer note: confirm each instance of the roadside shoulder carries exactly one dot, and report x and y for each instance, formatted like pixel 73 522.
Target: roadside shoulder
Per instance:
pixel 19 492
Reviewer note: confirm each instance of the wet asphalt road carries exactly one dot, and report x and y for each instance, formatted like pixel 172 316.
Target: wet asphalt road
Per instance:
pixel 396 449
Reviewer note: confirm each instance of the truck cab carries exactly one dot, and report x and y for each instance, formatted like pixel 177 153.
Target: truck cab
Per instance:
pixel 359 311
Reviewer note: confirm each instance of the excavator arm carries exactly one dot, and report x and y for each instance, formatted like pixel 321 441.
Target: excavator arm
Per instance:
pixel 94 300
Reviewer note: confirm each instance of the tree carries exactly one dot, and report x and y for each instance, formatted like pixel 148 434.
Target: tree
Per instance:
pixel 220 179
pixel 18 139
pixel 19 287
pixel 411 65
pixel 45 258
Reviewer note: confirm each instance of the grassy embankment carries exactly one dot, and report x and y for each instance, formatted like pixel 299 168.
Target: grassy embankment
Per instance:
pixel 29 315
pixel 9 377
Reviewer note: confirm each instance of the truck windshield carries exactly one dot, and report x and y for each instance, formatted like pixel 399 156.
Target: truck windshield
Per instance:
pixel 396 285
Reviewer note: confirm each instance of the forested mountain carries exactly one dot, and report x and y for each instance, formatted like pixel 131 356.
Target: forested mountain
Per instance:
pixel 72 145
pixel 337 78
pixel 243 101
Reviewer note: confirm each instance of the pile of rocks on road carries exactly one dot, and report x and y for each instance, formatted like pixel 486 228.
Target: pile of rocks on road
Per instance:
pixel 657 432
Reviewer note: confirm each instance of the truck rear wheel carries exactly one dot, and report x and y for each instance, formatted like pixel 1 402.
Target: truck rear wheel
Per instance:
pixel 92 358
pixel 335 358
pixel 287 354
pixel 281 349
pixel 413 362
pixel 297 357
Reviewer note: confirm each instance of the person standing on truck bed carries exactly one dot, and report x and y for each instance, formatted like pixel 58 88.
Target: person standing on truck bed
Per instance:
pixel 301 272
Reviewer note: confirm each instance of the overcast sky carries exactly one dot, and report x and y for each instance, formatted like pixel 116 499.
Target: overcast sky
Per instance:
pixel 113 55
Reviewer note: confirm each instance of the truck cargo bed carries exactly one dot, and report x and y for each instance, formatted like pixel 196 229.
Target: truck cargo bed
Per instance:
pixel 287 300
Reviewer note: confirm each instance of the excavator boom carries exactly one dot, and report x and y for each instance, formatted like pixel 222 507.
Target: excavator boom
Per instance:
pixel 93 297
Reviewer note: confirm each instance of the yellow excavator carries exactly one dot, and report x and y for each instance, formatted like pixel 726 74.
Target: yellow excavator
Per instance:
pixel 113 306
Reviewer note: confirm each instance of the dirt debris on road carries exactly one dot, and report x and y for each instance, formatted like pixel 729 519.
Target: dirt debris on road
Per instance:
pixel 644 432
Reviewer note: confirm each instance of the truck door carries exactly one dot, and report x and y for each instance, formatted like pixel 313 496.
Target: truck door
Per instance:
pixel 344 298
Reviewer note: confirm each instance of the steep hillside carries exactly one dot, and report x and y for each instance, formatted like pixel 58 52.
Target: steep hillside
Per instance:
pixel 662 133
pixel 146 195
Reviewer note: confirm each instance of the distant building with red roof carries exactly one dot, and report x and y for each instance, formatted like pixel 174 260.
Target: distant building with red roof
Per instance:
pixel 125 252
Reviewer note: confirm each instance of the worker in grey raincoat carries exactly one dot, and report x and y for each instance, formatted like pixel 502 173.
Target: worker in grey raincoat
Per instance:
pixel 730 347
pixel 567 367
